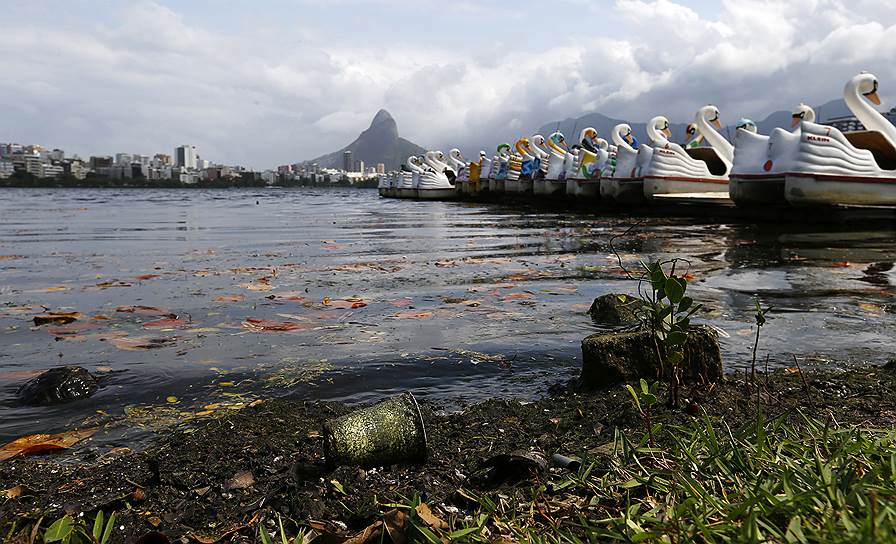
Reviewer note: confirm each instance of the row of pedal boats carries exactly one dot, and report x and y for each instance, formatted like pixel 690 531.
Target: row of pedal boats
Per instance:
pixel 809 164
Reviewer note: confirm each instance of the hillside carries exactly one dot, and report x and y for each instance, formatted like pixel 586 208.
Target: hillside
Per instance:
pixel 379 143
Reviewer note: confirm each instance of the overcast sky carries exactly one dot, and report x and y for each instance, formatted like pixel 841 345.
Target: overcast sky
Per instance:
pixel 269 82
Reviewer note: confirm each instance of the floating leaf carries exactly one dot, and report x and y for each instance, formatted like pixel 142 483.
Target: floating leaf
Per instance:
pixel 141 344
pixel 230 298
pixel 71 328
pixel 55 289
pixel 59 318
pixel 516 296
pixel 257 286
pixel 10 257
pixel 36 443
pixel 171 399
pixel 144 277
pixel 266 325
pixel 345 304
pixel 113 283
pixel 413 315
pixel 146 310
pixel 165 324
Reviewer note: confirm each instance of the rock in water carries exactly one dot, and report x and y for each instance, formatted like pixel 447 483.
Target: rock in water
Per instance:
pixel 611 358
pixel 58 385
pixel 616 310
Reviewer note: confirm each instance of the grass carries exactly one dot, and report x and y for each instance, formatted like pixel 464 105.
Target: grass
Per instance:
pixel 772 481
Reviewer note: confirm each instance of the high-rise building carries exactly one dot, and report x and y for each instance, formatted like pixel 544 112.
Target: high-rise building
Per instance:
pixel 380 168
pixel 186 156
pixel 347 161
pixel 359 167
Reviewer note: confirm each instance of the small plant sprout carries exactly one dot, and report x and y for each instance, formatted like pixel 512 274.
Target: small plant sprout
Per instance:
pixel 644 401
pixel 760 322
pixel 667 314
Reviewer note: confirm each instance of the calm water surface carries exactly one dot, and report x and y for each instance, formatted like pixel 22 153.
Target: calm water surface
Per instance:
pixel 456 302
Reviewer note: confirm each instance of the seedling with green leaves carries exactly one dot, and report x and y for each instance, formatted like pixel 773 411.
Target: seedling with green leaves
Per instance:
pixel 69 530
pixel 644 401
pixel 667 314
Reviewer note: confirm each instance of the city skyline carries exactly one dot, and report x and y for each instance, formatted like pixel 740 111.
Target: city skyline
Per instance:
pixel 291 80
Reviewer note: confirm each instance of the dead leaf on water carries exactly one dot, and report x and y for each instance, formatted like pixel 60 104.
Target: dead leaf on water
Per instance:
pixel 517 296
pixel 413 315
pixel 10 257
pixel 268 325
pixel 146 310
pixel 144 277
pixel 142 344
pixel 166 324
pixel 37 443
pixel 230 298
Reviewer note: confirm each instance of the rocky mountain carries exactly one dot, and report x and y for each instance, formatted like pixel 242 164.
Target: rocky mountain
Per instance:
pixel 379 143
pixel 571 127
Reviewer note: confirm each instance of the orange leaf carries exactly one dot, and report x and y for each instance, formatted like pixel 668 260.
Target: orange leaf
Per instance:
pixel 344 304
pixel 413 315
pixel 688 277
pixel 842 264
pixel 515 296
pixel 10 257
pixel 165 324
pixel 144 277
pixel 230 298
pixel 401 302
pixel 43 442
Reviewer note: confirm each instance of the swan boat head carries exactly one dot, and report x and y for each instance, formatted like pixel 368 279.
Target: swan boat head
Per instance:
pixel 711 115
pixel 693 138
pixel 746 124
pixel 658 130
pixel 557 143
pixel 588 139
pixel 866 85
pixel 802 113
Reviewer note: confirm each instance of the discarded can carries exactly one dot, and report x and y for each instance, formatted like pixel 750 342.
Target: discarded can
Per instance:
pixel 387 433
pixel 562 461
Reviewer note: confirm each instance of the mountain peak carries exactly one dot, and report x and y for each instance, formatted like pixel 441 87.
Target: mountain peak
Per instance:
pixel 381 116
pixel 379 143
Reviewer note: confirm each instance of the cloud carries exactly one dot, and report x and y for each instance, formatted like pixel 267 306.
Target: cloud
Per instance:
pixel 145 77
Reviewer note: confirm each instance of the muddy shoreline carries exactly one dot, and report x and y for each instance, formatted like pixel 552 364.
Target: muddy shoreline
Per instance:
pixel 192 484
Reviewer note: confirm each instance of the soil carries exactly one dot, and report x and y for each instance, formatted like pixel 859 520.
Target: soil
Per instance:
pixel 215 481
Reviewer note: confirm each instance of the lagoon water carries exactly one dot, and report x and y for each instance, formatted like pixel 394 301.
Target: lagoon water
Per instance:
pixel 181 294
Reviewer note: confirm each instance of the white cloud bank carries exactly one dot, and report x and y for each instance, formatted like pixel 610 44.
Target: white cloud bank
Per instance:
pixel 149 78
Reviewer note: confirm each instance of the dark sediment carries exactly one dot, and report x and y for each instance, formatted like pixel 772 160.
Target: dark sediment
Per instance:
pixel 253 464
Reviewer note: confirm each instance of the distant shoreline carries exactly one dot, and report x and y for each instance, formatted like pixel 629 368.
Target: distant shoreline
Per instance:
pixel 102 183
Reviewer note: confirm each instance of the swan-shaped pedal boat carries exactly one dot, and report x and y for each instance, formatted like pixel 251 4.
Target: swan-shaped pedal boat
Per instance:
pixel 856 168
pixel 436 182
pixel 760 162
pixel 626 183
pixel 524 162
pixel 382 186
pixel 591 158
pixel 479 172
pixel 497 177
pixel 554 166
pixel 459 165
pixel 698 171
pixel 407 182
pixel 538 149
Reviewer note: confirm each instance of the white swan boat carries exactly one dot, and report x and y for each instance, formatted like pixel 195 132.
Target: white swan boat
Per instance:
pixel 555 165
pixel 760 162
pixel 436 180
pixel 591 158
pixel 459 165
pixel 626 184
pixel 856 168
pixel 405 185
pixel 497 176
pixel 693 171
pixel 384 183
